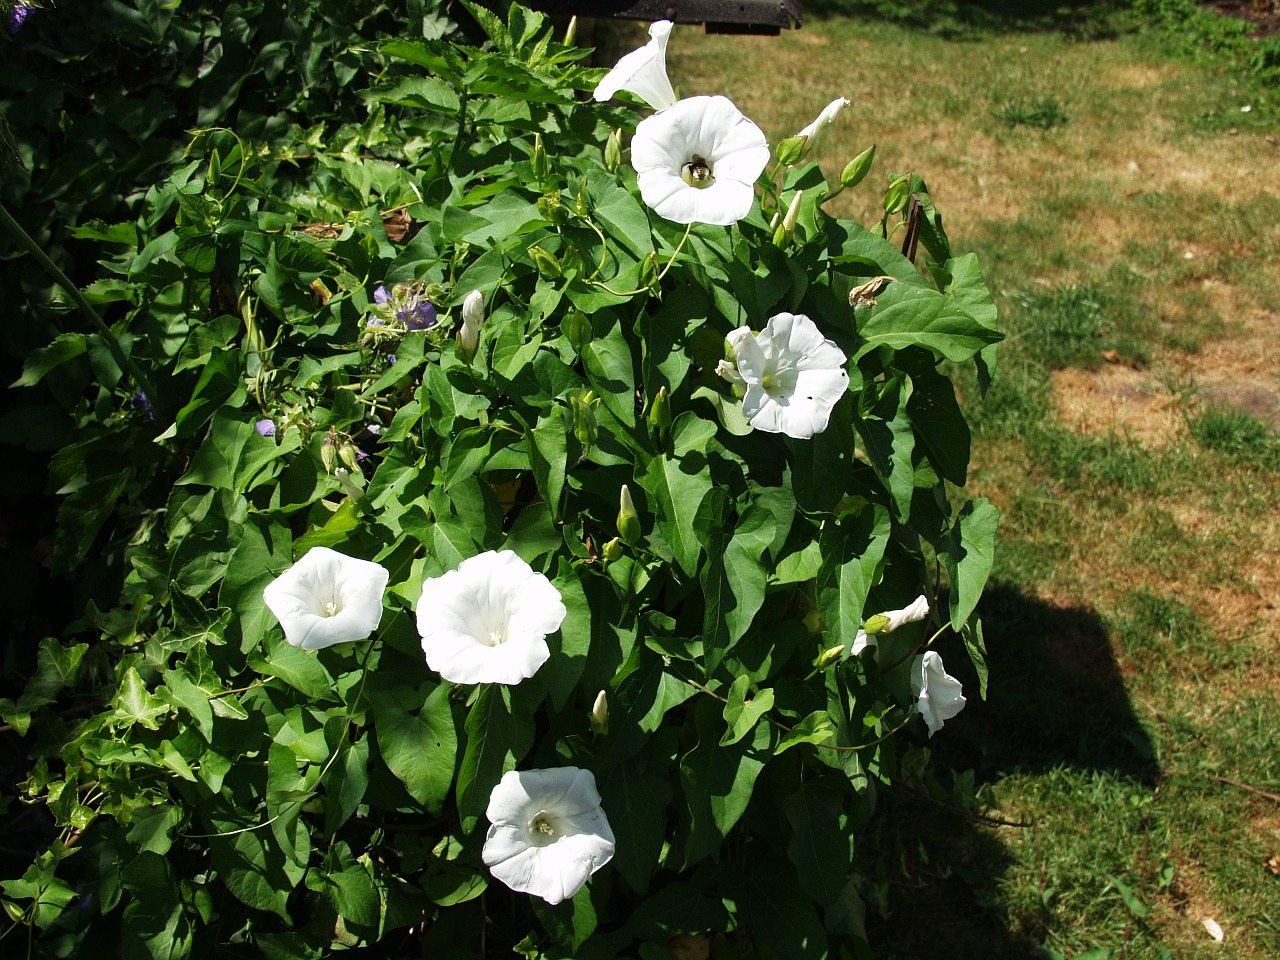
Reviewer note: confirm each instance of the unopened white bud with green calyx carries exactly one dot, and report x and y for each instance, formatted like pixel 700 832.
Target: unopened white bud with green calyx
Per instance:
pixel 891 620
pixel 583 407
pixel 472 318
pixel 600 715
pixel 787 228
pixel 628 518
pixel 348 485
pixel 828 114
pixel 829 656
pixel 660 411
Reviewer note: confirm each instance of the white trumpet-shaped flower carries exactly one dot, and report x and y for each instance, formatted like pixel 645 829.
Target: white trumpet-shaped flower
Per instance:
pixel 327 598
pixel 548 833
pixel 793 374
pixel 698 161
pixel 487 621
pixel 828 114
pixel 643 72
pixel 938 695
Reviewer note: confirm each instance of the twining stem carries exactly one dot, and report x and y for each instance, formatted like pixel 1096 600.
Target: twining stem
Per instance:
pixel 117 352
pixel 631 293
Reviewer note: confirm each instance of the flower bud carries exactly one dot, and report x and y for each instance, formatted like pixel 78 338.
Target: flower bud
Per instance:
pixel 582 202
pixel 571 31
pixel 552 208
pixel 829 656
pixel 891 620
pixel 577 328
pixel 660 410
pixel 350 455
pixel 548 266
pixel 791 150
pixel 472 317
pixel 828 114
pixel 538 158
pixel 329 455
pixel 648 271
pixel 786 230
pixel 612 550
pixel 600 715
pixel 584 417
pixel 613 151
pixel 858 167
pixel 628 519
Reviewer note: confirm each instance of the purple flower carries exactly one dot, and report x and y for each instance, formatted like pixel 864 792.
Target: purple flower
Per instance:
pixel 265 427
pixel 375 322
pixel 17 17
pixel 139 400
pixel 361 456
pixel 391 358
pixel 417 315
pixel 380 294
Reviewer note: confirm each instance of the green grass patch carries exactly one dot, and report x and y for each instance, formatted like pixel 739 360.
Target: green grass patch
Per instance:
pixel 1039 113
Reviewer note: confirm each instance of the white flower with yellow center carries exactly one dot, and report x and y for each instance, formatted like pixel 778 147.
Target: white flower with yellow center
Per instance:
pixel 938 694
pixel 548 833
pixel 698 160
pixel 643 72
pixel 327 598
pixel 487 621
pixel 794 376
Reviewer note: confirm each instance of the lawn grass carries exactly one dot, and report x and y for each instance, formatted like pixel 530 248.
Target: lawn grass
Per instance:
pixel 1128 214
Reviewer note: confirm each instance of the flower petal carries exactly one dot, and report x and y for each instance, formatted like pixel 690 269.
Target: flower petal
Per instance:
pixel 643 72
pixel 327 598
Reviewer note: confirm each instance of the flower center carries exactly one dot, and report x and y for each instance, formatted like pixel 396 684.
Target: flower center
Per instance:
pixel 696 173
pixel 332 608
pixel 542 828
pixel 779 381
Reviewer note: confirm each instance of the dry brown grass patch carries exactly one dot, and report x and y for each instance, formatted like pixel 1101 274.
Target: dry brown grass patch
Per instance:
pixel 1120 399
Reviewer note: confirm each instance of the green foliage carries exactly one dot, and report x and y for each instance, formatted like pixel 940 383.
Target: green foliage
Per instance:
pixel 1207 36
pixel 223 791
pixel 1038 113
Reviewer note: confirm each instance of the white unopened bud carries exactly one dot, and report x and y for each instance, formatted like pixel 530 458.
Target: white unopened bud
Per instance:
pixel 600 715
pixel 472 318
pixel 793 214
pixel 829 113
pixel 891 620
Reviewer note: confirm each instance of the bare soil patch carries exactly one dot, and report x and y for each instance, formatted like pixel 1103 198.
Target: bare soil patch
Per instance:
pixel 1264 15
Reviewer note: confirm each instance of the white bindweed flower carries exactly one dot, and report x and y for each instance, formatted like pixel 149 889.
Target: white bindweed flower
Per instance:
pixel 938 696
pixel 698 161
pixel 548 832
pixel 327 598
pixel 487 621
pixel 643 72
pixel 860 643
pixel 794 375
pixel 828 114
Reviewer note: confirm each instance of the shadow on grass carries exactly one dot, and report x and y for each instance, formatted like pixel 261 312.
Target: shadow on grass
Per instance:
pixel 961 19
pixel 1056 699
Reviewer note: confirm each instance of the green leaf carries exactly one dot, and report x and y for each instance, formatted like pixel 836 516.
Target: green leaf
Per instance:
pixel 852 550
pixel 548 456
pixel 677 488
pixel 298 669
pixel 636 802
pixel 419 93
pixel 969 555
pixel 355 896
pixel 608 360
pixel 910 316
pixel 337 529
pixel 717 781
pixel 977 649
pixel 66 347
pixel 153 926
pixel 815 728
pixel 345 784
pixel 819 843
pixel 420 749
pixel 496 741
pixel 938 420
pixel 741 714
pixel 886 430
pixel 781 914
pixel 135 704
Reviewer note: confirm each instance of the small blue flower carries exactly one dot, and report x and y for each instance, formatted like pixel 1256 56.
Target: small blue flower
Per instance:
pixel 380 294
pixel 139 401
pixel 417 315
pixel 17 17
pixel 265 427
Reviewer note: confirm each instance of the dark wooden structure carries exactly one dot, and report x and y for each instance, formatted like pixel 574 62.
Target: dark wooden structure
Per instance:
pixel 720 16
